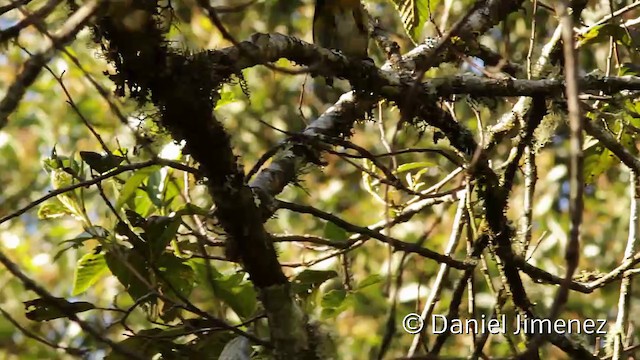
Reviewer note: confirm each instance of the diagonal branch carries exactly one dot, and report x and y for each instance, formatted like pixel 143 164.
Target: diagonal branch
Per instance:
pixel 34 65
pixel 397 244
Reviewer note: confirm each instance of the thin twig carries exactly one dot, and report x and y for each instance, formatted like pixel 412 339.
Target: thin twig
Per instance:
pixel 624 301
pixel 95 180
pixel 607 18
pixel 77 352
pixel 397 244
pixel 69 313
pixel 33 66
pixel 443 271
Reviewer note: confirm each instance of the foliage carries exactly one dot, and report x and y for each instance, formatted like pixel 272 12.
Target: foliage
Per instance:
pixel 108 207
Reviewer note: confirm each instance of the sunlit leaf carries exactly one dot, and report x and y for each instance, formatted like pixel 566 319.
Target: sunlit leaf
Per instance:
pixel 369 280
pixel 133 183
pixel 415 165
pixel 89 269
pixel 414 14
pixel 52 210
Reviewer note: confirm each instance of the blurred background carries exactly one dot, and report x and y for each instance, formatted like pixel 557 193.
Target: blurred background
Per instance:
pixel 45 122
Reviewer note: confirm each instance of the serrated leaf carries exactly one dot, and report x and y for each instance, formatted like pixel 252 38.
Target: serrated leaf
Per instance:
pixel 60 162
pixel 60 178
pixel 414 14
pixel 89 269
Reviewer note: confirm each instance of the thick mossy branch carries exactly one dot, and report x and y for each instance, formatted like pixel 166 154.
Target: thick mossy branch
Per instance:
pixel 183 88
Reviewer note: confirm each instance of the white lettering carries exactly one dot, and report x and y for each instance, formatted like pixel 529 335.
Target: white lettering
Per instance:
pixel 435 328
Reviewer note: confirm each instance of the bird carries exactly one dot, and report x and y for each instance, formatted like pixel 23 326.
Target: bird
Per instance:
pixel 341 25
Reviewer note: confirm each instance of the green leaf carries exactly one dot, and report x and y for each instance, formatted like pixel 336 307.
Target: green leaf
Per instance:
pixel 241 298
pixel 133 183
pixel 159 231
pixel 89 269
pixel 307 280
pixel 335 232
pixel 153 188
pixel 179 275
pixel 597 159
pixel 336 301
pixel 315 276
pixel 60 162
pixel 147 344
pixel 122 265
pixel 629 68
pixel 52 209
pixel 415 165
pixel 192 209
pixel 227 96
pixel 46 309
pixel 171 192
pixel 233 290
pixel 414 14
pixel 60 178
pixel 628 140
pixel 94 232
pixel 334 298
pixel 101 163
pixel 602 33
pixel 368 281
